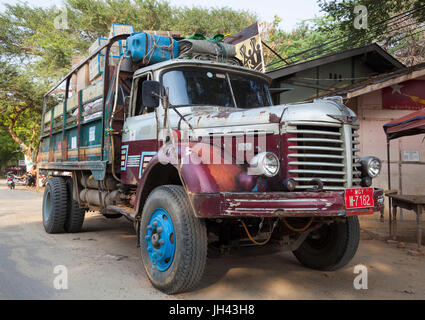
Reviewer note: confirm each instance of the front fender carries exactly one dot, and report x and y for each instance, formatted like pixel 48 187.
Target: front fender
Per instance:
pixel 204 169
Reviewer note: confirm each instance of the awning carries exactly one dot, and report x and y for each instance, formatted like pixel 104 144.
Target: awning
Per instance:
pixel 411 124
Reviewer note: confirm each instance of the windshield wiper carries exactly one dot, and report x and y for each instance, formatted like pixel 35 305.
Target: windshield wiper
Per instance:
pixel 179 114
pixel 231 89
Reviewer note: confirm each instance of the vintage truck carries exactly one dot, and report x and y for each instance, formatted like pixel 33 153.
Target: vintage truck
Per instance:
pixel 193 152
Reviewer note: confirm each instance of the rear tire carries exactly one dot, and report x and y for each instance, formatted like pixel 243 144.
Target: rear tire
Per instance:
pixel 55 201
pixel 75 216
pixel 331 247
pixel 174 258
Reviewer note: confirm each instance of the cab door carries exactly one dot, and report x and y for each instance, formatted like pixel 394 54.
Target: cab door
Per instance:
pixel 139 139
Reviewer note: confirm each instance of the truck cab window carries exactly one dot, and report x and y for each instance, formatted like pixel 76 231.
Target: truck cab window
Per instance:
pixel 205 86
pixel 139 108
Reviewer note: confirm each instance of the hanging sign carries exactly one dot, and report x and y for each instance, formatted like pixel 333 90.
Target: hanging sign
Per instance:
pixel 249 48
pixel 407 95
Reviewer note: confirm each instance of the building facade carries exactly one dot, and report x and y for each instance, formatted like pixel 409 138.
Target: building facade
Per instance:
pixel 379 89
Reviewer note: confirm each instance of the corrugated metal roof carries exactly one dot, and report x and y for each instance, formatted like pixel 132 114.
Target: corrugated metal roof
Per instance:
pixel 371 48
pixel 375 80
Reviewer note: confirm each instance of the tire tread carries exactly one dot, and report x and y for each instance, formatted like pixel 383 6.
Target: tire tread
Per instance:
pixel 338 256
pixel 75 215
pixel 59 197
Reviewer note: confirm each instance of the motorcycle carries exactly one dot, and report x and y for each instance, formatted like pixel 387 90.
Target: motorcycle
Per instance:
pixel 30 180
pixel 10 182
pixel 42 179
pixel 20 180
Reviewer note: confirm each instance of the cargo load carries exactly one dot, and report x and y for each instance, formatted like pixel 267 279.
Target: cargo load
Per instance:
pixel 119 48
pixel 207 50
pixel 151 48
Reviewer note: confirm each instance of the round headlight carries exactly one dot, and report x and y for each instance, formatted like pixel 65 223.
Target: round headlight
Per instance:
pixel 265 163
pixel 371 166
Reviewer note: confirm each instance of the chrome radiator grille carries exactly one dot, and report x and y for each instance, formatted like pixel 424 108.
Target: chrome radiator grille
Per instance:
pixel 326 151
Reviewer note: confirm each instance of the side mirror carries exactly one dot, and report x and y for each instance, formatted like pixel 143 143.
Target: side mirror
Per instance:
pixel 151 91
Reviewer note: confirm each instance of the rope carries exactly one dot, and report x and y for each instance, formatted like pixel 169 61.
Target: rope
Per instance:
pixel 297 229
pixel 112 119
pixel 155 45
pixel 252 239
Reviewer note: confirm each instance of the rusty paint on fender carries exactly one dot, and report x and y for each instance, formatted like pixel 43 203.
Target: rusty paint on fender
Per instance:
pixel 199 177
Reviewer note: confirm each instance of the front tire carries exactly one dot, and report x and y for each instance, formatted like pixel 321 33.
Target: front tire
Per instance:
pixel 55 202
pixel 173 241
pixel 331 247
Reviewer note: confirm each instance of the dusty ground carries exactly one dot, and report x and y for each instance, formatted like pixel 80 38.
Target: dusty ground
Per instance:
pixel 104 263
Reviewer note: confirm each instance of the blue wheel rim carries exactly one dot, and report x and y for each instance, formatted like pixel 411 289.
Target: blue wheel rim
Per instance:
pixel 160 239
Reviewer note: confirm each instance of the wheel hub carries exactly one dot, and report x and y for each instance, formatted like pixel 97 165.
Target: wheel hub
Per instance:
pixel 47 205
pixel 160 239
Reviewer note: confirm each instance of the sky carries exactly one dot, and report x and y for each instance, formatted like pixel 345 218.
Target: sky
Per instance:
pixel 291 11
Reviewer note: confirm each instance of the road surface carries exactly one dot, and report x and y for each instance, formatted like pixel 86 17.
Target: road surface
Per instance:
pixel 103 262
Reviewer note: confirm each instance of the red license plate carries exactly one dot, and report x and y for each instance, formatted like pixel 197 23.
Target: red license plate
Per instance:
pixel 359 198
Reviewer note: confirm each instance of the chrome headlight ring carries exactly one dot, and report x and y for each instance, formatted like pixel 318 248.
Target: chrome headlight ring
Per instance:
pixel 371 166
pixel 264 163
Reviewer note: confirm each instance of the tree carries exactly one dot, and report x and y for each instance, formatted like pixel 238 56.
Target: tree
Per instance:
pixel 10 152
pixel 21 99
pixel 290 45
pixel 397 25
pixel 28 34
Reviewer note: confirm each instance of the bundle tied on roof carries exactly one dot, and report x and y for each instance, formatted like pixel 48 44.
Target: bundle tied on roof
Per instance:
pixel 208 50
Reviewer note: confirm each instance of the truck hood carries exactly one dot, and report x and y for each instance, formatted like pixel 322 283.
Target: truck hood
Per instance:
pixel 212 117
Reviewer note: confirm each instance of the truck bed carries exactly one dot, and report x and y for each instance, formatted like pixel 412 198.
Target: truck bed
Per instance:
pixel 75 133
pixel 72 130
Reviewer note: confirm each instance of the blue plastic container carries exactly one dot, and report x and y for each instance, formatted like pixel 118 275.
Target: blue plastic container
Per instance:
pixel 151 48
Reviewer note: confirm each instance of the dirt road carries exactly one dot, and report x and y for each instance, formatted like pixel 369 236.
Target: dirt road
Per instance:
pixel 103 262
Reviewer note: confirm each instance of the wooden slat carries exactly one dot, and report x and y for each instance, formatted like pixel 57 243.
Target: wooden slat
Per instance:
pixel 48 116
pixel 72 102
pixel 58 110
pixel 92 92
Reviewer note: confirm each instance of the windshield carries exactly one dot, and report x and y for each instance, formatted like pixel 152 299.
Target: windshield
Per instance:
pixel 202 86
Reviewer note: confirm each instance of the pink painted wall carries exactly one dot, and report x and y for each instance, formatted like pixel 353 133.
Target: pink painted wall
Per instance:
pixel 373 142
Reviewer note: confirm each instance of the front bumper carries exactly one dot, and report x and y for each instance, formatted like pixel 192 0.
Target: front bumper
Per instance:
pixel 279 204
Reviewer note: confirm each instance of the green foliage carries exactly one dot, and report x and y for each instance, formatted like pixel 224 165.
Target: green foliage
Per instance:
pixel 394 24
pixel 10 152
pixel 307 34
pixel 19 89
pixel 378 13
pixel 28 37
pixel 28 34
pixel 21 99
pixel 212 21
pixel 402 36
pixel 94 18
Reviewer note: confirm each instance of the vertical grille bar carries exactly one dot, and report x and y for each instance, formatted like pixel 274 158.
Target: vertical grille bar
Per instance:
pixel 348 154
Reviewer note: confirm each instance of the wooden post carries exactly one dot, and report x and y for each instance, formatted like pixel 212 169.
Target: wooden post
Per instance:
pixel 419 224
pixel 389 187
pixel 400 179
